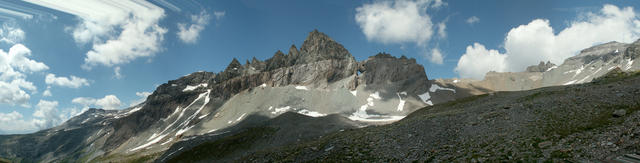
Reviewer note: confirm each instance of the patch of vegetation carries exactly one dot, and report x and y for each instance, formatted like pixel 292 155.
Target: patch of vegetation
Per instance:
pixel 462 100
pixel 146 158
pixel 564 126
pixel 537 95
pixel 614 76
pixel 2 160
pixel 224 146
pixel 560 154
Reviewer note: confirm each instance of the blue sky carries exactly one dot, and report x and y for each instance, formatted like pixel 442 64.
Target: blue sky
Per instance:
pixel 113 58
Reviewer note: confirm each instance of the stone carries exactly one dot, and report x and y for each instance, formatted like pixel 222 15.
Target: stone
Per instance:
pixel 619 113
pixel 544 144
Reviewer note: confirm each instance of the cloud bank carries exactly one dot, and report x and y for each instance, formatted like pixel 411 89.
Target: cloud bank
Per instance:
pixel 536 41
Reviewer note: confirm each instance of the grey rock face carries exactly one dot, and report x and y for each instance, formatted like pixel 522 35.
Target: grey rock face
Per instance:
pixel 541 67
pixel 382 69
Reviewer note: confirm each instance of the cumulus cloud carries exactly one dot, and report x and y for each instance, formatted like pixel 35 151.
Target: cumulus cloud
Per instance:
pixel 47 92
pixel 400 21
pixel 472 20
pixel 11 35
pixel 119 31
pixel 142 97
pixel 108 102
pixel 71 82
pixel 436 56
pixel 14 66
pixel 478 60
pixel 536 41
pixel 190 33
pixel 46 114
pixel 13 122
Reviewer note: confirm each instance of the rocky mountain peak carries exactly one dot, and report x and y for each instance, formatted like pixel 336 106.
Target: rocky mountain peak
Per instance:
pixel 234 65
pixel 318 46
pixel 541 67
pixel 383 68
pixel 293 51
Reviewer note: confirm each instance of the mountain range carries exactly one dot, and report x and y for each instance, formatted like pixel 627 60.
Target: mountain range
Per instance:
pixel 319 103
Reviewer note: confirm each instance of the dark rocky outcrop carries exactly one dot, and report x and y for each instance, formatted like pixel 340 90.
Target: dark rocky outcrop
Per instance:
pixel 382 69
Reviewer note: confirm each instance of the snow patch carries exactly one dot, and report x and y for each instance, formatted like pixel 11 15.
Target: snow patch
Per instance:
pixel 173 85
pixel 183 130
pixel 302 88
pixel 375 95
pixel 202 116
pixel 426 98
pixel 570 82
pixel 551 68
pixel 311 113
pixel 354 93
pixel 156 140
pixel 241 116
pixel 264 85
pixel 629 63
pixel 435 87
pixel 401 104
pixel 456 81
pixel 170 139
pixel 281 110
pixel 194 87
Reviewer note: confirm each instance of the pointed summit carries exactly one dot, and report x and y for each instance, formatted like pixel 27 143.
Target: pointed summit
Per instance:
pixel 234 65
pixel 293 51
pixel 318 46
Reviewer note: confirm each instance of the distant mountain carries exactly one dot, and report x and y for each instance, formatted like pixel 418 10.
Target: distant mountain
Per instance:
pixel 589 64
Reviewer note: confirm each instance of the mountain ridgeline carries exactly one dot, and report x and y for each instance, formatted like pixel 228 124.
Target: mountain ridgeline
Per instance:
pixel 317 99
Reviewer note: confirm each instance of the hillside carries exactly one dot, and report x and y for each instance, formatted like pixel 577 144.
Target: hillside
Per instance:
pixel 591 121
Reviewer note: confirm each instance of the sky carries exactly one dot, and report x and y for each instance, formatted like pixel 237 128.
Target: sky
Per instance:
pixel 59 58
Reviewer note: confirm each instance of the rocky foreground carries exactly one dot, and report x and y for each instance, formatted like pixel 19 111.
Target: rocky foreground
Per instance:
pixel 595 121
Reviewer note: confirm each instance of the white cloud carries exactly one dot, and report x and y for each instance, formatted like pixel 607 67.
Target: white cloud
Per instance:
pixel 142 97
pixel 47 92
pixel 436 56
pixel 108 102
pixel 472 20
pixel 529 44
pixel 13 122
pixel 442 27
pixel 11 35
pixel 116 73
pixel 397 21
pixel 72 82
pixel 6 117
pixel 190 33
pixel 219 14
pixel 120 31
pixel 14 66
pixel 478 60
pixel 46 114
